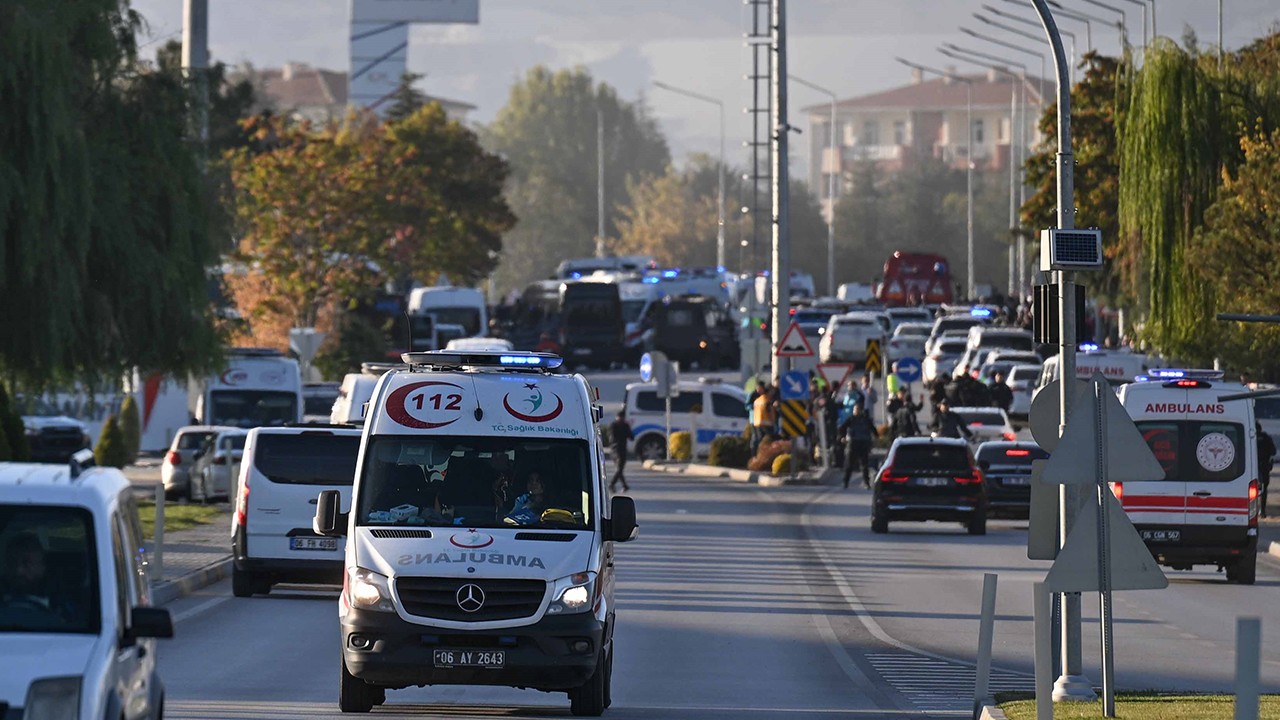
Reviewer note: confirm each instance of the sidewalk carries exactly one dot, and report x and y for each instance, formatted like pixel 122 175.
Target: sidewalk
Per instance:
pixel 193 559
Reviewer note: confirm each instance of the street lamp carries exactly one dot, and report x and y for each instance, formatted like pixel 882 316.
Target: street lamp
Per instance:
pixel 1011 46
pixel 831 186
pixel 968 153
pixel 1029 36
pixel 1124 32
pixel 1086 18
pixel 720 191
pixel 1143 5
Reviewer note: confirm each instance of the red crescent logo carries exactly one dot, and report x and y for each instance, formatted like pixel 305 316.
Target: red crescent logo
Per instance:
pixel 233 376
pixel 397 411
pixel 534 418
pixel 453 541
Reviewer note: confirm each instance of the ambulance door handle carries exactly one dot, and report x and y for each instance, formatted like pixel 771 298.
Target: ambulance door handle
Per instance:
pixel 1201 493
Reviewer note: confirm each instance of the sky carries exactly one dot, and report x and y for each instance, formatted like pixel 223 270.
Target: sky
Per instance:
pixel 846 46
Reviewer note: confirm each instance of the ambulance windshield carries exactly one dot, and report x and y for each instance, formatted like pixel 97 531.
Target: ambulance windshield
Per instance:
pixel 436 481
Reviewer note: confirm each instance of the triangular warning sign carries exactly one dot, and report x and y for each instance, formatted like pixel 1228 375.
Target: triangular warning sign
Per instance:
pixel 1131 564
pixel 794 343
pixel 1075 459
pixel 835 373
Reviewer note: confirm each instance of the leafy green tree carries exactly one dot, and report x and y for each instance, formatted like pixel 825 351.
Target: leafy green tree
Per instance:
pixel 355 340
pixel 111 450
pixel 130 427
pixel 547 131
pixel 230 101
pixel 12 429
pixel 407 99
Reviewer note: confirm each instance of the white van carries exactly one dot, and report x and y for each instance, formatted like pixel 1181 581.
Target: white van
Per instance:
pixel 355 391
pixel 281 473
pixel 481 533
pixel 1117 366
pixel 447 305
pixel 1204 511
pixel 711 409
pixel 259 386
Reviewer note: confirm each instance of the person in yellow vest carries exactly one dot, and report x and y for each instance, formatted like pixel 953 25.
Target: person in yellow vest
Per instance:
pixel 764 414
pixel 893 382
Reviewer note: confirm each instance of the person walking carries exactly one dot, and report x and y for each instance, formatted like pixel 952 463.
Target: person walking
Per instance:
pixel 858 433
pixel 870 398
pixel 947 423
pixel 1001 395
pixel 764 415
pixel 619 433
pixel 1266 461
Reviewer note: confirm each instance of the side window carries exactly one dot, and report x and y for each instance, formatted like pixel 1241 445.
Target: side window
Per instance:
pixel 1162 438
pixel 727 406
pixel 686 402
pixel 140 563
pixel 123 581
pixel 647 401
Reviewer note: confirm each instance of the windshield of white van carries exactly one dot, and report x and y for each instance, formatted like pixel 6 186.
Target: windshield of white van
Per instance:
pixel 310 458
pixel 48 570
pixel 252 408
pixel 475 481
pixel 1196 451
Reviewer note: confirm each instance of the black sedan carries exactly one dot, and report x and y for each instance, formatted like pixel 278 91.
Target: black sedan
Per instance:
pixel 1006 467
pixel 925 478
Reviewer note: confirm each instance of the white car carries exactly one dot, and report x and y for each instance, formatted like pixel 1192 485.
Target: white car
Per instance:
pixel 709 409
pixel 175 469
pixel 846 336
pixel 900 315
pixel 908 340
pixel 942 359
pixel 79 640
pixel 1022 381
pixel 987 423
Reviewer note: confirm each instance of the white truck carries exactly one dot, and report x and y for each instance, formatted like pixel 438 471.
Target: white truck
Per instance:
pixel 443 313
pixel 258 387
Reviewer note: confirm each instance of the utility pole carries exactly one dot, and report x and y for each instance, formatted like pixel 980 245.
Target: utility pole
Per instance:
pixel 599 182
pixel 195 61
pixel 1071 684
pixel 780 268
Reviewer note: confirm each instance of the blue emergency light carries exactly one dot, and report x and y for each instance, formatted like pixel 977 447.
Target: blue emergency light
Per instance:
pixel 670 273
pixel 980 312
pixel 518 360
pixel 651 280
pixel 1179 373
pixel 1088 347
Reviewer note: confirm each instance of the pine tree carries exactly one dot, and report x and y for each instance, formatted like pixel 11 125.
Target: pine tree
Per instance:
pixel 406 99
pixel 131 427
pixel 111 450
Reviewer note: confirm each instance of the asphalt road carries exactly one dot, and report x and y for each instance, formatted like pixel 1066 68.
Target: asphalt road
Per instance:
pixel 738 602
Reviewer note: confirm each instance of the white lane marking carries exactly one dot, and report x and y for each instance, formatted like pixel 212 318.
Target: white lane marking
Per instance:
pixel 202 607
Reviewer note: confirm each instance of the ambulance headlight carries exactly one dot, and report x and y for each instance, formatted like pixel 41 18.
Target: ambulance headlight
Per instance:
pixel 367 590
pixel 573 594
pixel 54 699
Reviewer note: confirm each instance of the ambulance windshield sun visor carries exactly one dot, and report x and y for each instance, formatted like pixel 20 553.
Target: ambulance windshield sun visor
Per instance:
pixel 476 482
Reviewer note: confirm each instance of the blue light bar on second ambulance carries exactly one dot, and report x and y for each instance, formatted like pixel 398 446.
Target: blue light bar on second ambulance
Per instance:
pixel 980 312
pixel 445 358
pixel 1178 374
pixel 1088 347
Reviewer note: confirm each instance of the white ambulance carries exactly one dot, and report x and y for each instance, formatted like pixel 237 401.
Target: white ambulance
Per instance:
pixel 1204 511
pixel 480 538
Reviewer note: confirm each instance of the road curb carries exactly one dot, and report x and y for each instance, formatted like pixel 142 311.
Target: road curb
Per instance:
pixel 170 590
pixel 991 712
pixel 762 479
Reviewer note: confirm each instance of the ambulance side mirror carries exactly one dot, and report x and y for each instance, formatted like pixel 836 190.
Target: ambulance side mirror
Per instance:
pixel 329 520
pixel 621 525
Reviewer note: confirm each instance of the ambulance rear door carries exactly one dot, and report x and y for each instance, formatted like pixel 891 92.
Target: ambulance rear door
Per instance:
pixel 1158 506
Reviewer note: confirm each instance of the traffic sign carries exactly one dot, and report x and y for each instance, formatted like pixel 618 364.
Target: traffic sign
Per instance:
pixel 874 364
pixel 1129 562
pixel 646 367
pixel 795 386
pixel 909 369
pixel 835 373
pixel 795 414
pixel 794 343
pixel 1075 459
pixel 1046 413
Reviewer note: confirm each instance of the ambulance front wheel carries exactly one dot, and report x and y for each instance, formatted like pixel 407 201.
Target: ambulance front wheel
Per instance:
pixel 354 694
pixel 592 698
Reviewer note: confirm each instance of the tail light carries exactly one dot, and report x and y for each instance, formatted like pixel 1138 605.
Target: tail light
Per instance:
pixel 1117 489
pixel 1016 452
pixel 1255 504
pixel 1010 436
pixel 173 457
pixel 242 503
pixel 887 476
pixel 973 478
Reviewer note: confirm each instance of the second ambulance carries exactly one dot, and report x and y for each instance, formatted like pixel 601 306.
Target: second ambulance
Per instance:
pixel 1204 511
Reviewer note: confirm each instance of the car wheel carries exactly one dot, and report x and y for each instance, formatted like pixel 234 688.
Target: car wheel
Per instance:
pixel 651 447
pixel 978 524
pixel 243 583
pixel 879 524
pixel 379 695
pixel 589 700
pixel 1244 571
pixel 354 694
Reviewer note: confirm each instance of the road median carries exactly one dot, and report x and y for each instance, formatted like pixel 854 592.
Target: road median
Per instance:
pixel 816 476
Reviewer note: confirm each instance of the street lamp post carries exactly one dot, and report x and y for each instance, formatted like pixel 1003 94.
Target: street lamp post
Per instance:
pixel 1034 38
pixel 720 259
pixel 831 185
pixel 1124 31
pixel 1009 45
pixel 1086 18
pixel 968 153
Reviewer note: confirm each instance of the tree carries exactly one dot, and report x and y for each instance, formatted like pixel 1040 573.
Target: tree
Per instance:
pixel 103 214
pixel 12 429
pixel 111 450
pixel 130 427
pixel 229 101
pixel 547 131
pixel 354 341
pixel 407 99
pixel 675 216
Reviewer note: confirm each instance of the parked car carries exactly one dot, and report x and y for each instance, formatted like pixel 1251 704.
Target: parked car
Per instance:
pixel 908 340
pixel 941 360
pixel 175 469
pixel 54 438
pixel 83 644
pixel 925 478
pixel 286 468
pixel 846 336
pixel 1003 362
pixel 1022 381
pixel 214 469
pixel 708 409
pixel 1006 471
pixel 987 423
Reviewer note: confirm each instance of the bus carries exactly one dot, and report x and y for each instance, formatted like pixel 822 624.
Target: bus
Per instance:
pixel 912 278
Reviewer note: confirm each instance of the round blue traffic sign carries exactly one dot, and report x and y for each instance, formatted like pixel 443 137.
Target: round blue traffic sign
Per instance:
pixel 646 368
pixel 908 369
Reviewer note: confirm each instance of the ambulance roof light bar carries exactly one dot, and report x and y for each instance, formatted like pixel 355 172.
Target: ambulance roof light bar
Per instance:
pixel 508 360
pixel 1179 374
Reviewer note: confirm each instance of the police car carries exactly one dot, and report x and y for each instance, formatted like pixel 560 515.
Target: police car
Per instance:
pixel 1204 511
pixel 480 536
pixel 76 624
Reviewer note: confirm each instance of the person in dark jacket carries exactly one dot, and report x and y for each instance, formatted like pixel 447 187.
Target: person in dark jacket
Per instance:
pixel 1001 395
pixel 903 422
pixel 858 431
pixel 946 423
pixel 619 434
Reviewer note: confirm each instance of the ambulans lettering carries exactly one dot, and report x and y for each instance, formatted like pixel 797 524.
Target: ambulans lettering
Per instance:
pixel 474 558
pixel 1202 409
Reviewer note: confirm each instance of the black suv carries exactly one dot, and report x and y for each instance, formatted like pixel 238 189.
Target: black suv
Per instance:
pixel 926 478
pixel 1007 469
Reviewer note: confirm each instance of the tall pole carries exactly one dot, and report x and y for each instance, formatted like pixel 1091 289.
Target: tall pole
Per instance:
pixel 599 182
pixel 1072 684
pixel 968 152
pixel 195 60
pixel 1022 183
pixel 780 268
pixel 831 184
pixel 1219 33
pixel 1014 288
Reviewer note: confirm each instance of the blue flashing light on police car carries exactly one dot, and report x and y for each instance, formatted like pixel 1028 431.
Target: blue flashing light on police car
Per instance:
pixel 980 312
pixel 670 273
pixel 1088 347
pixel 651 280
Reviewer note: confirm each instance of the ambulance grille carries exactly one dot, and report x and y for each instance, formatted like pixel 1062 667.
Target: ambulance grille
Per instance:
pixel 437 598
pixel 400 534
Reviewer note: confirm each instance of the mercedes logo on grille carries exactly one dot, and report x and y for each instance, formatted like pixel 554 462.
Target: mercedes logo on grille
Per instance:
pixel 470 597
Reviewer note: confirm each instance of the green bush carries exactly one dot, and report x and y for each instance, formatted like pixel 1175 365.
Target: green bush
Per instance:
pixel 680 447
pixel 730 451
pixel 782 464
pixel 111 451
pixel 130 427
pixel 768 450
pixel 12 428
